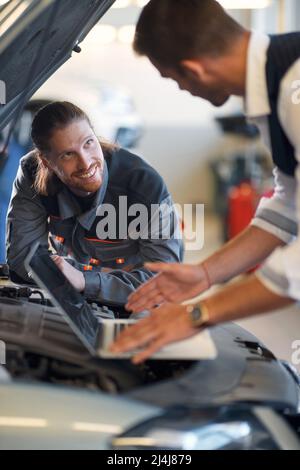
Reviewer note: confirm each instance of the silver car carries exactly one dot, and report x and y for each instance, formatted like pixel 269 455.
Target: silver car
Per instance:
pixel 53 394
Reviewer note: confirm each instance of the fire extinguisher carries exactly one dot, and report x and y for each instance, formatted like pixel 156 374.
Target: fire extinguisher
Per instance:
pixel 242 203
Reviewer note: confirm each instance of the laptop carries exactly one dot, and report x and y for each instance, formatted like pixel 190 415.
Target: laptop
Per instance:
pixel 95 333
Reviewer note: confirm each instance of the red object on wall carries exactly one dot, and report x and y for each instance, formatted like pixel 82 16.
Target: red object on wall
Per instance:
pixel 242 203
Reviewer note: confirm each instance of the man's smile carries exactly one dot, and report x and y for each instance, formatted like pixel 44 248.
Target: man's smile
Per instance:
pixel 89 174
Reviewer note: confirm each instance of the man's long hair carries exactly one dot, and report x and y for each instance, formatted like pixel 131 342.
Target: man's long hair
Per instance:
pixel 56 115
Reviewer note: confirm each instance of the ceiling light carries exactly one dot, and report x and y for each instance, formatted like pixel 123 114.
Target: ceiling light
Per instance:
pixel 121 4
pixel 126 34
pixel 141 3
pixel 106 34
pixel 11 14
pixel 245 4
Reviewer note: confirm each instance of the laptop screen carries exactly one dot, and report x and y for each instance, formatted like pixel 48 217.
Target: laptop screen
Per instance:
pixel 76 310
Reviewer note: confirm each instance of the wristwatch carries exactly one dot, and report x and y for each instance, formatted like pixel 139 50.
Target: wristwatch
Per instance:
pixel 199 315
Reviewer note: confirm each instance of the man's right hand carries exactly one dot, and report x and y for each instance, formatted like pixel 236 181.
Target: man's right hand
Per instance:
pixel 174 283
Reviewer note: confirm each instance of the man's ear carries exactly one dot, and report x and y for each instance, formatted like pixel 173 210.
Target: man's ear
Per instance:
pixel 45 162
pixel 193 68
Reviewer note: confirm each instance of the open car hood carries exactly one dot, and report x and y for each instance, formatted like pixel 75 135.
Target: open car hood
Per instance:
pixel 24 27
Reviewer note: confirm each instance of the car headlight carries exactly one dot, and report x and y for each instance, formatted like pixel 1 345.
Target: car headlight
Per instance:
pixel 212 428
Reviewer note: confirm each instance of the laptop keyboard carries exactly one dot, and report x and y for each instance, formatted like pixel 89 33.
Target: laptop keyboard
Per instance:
pixel 118 327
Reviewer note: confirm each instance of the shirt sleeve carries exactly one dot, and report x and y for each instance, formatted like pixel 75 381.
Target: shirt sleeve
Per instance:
pixel 281 272
pixel 26 223
pixel 277 215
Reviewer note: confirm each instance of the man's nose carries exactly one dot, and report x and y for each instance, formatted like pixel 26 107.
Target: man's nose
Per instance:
pixel 83 160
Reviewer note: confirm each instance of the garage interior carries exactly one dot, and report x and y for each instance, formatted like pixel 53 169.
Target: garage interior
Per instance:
pixel 217 169
pixel 180 135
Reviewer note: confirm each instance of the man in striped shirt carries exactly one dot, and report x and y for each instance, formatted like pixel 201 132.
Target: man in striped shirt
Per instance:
pixel 209 54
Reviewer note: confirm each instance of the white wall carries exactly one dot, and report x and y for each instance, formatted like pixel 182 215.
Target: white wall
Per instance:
pixel 282 16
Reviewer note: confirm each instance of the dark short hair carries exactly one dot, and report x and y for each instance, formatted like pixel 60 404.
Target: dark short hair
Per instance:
pixel 48 119
pixel 169 31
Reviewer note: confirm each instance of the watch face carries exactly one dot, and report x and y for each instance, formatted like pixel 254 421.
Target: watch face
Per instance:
pixel 199 315
pixel 196 315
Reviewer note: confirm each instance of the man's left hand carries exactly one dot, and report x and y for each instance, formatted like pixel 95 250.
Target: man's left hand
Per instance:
pixel 164 325
pixel 75 277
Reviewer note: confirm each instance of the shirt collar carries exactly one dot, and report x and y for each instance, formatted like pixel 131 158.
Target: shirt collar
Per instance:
pixel 257 100
pixel 68 207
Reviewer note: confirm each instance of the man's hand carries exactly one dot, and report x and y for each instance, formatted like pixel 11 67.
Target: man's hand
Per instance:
pixel 75 277
pixel 166 324
pixel 174 283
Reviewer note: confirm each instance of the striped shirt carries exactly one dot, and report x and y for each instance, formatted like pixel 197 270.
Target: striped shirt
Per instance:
pixel 280 214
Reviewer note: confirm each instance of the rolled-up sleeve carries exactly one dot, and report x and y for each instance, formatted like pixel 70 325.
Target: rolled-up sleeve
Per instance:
pixel 281 271
pixel 277 215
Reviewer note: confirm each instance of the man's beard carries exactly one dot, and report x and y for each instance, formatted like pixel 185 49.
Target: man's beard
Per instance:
pixel 86 185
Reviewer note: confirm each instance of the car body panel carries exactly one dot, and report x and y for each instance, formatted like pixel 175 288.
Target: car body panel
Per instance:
pixel 35 416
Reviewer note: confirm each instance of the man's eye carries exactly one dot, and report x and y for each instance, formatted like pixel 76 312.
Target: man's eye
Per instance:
pixel 67 156
pixel 89 141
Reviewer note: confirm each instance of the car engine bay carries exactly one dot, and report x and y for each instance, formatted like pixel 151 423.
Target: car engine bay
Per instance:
pixel 41 346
